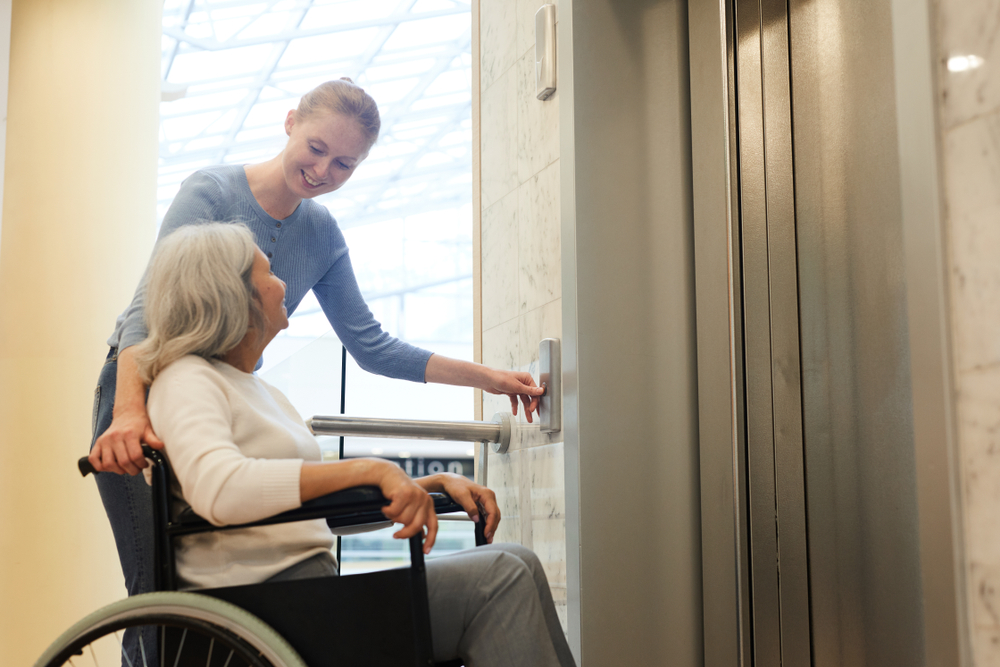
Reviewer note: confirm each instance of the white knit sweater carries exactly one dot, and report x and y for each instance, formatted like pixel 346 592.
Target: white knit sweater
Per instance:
pixel 236 446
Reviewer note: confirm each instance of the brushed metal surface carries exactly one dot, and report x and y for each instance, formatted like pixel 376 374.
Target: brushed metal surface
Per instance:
pixel 764 573
pixel 948 628
pixel 629 355
pixel 550 377
pixel 722 443
pixel 864 555
pixel 482 471
pixel 835 112
pixel 786 395
pixel 502 443
pixel 457 431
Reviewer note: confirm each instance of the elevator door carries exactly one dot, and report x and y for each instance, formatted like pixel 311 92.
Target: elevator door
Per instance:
pixel 832 543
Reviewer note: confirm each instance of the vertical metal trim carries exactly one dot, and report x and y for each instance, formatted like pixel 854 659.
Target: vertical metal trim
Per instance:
pixel 738 356
pixel 570 325
pixel 343 407
pixel 786 376
pixel 550 377
pixel 482 469
pixel 753 205
pixel 947 630
pixel 477 210
pixel 477 221
pixel 725 587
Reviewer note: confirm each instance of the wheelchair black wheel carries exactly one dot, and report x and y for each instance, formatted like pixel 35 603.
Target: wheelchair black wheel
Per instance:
pixel 190 629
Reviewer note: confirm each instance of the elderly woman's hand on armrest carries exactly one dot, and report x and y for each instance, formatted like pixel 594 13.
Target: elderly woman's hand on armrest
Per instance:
pixel 471 496
pixel 410 504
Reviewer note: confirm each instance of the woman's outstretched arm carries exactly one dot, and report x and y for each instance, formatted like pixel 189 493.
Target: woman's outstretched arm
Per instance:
pixel 514 384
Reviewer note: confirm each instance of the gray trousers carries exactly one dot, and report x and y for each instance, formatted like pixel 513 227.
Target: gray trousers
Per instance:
pixel 490 606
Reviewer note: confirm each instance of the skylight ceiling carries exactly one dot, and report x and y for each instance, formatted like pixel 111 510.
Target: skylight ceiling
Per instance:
pixel 232 69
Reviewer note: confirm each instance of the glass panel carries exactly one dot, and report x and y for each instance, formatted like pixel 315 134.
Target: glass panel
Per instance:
pixel 231 71
pixel 310 377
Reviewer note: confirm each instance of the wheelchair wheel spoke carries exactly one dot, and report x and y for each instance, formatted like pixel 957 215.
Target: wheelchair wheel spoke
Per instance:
pixel 180 648
pixel 122 648
pixel 186 631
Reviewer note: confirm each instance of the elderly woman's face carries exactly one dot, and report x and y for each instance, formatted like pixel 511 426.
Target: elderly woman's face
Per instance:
pixel 272 295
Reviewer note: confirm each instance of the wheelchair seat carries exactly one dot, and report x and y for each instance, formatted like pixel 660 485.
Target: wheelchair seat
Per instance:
pixel 373 619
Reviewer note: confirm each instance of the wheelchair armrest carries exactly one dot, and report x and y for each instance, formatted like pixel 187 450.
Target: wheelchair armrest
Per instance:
pixel 358 506
pixel 355 506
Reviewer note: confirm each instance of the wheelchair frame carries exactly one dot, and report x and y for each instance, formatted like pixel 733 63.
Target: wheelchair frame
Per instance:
pixel 289 606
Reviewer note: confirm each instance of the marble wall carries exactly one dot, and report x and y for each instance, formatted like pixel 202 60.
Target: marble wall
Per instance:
pixel 521 265
pixel 968 42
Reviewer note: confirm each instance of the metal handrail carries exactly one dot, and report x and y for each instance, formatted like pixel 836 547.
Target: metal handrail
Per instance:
pixel 496 432
pixel 372 427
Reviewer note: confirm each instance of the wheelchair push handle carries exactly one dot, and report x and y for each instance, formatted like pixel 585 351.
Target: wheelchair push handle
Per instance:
pixel 86 468
pixel 84 465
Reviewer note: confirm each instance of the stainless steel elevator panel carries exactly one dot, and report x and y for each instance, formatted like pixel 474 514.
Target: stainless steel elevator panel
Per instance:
pixel 856 393
pixel 779 576
pixel 850 506
pixel 828 401
pixel 628 353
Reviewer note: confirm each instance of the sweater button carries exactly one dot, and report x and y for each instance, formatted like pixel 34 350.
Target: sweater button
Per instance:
pixel 278 225
pixel 273 240
pixel 269 255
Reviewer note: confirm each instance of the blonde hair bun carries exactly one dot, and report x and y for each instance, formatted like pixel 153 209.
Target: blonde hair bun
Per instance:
pixel 343 97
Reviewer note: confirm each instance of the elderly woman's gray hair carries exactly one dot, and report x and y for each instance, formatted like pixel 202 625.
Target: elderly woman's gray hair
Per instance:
pixel 200 298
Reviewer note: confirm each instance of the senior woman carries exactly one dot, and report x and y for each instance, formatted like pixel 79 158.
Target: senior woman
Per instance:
pixel 329 136
pixel 240 453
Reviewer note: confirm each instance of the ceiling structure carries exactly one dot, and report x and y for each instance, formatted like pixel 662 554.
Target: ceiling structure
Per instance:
pixel 233 68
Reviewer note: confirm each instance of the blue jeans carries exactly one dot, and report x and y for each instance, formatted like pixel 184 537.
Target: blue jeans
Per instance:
pixel 128 503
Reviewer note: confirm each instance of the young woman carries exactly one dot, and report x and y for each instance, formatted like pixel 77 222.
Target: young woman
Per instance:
pixel 329 136
pixel 241 453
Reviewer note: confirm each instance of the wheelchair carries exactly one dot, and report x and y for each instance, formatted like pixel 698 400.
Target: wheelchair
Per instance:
pixel 381 618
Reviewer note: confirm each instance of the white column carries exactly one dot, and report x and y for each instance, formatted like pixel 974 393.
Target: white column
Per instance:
pixel 78 223
pixel 5 10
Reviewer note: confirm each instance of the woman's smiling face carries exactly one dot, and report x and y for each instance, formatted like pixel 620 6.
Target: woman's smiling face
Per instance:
pixel 323 151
